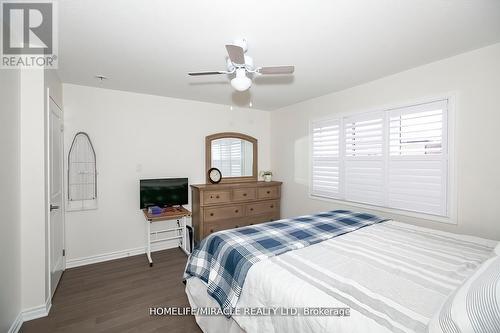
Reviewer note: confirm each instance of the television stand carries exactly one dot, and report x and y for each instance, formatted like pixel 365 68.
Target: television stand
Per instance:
pixel 169 213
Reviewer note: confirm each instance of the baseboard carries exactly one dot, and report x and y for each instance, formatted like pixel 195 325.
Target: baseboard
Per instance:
pixel 115 255
pixel 16 325
pixel 30 314
pixel 37 311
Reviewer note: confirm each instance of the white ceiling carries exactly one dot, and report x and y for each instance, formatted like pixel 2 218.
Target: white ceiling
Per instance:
pixel 149 46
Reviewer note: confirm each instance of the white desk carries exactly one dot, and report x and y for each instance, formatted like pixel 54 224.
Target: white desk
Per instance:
pixel 179 214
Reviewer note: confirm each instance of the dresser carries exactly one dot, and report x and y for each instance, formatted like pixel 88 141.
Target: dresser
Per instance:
pixel 218 207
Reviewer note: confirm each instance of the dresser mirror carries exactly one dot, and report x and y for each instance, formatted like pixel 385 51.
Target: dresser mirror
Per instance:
pixel 234 154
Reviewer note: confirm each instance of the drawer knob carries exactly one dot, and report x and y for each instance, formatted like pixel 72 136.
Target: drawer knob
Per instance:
pixel 211 230
pixel 211 197
pixel 272 206
pixel 211 214
pixel 217 197
pixel 236 226
pixel 251 208
pixel 244 194
pixel 236 211
pixel 268 192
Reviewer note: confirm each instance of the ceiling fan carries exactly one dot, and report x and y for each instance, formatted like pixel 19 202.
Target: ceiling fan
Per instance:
pixel 241 64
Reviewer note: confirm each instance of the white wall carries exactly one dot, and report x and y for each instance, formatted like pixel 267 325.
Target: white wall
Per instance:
pixel 142 136
pixel 23 260
pixel 10 222
pixel 33 199
pixel 473 76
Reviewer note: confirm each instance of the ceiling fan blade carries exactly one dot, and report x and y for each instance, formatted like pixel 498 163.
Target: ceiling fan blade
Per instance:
pixel 276 70
pixel 206 73
pixel 236 54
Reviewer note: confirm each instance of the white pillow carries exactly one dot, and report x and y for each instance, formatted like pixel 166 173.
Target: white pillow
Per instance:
pixel 474 306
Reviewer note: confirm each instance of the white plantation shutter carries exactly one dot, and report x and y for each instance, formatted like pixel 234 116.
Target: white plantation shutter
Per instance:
pixel 236 154
pixel 227 156
pixel 396 158
pixel 364 163
pixel 418 162
pixel 325 158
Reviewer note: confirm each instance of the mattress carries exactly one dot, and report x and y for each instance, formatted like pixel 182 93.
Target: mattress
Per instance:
pixel 392 276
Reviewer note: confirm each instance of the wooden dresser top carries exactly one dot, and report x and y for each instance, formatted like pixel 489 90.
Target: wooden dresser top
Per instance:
pixel 222 186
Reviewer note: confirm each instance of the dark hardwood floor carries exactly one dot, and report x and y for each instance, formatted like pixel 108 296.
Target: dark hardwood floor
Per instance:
pixel 115 296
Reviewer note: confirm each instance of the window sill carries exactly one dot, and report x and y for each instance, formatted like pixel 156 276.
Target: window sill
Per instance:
pixel 423 216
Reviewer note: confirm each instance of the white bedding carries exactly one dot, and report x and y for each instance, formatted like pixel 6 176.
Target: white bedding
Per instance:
pixel 392 275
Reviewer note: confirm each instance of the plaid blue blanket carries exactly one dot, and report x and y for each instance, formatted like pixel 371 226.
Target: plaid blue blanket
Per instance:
pixel 223 259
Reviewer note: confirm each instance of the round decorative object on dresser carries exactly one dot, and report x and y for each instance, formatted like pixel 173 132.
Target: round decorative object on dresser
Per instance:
pixel 214 175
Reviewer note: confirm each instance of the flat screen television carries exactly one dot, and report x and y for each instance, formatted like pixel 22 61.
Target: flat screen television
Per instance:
pixel 164 192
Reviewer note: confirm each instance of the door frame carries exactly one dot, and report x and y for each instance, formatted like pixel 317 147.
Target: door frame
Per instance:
pixel 48 194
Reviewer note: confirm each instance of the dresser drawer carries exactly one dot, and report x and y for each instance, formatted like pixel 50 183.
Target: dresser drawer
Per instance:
pixel 269 217
pixel 262 208
pixel 268 192
pixel 222 213
pixel 215 197
pixel 210 228
pixel 244 194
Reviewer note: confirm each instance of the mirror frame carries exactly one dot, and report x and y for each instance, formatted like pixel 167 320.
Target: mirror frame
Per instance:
pixel 208 156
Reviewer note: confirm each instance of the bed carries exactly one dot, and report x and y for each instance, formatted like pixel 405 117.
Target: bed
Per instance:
pixel 389 276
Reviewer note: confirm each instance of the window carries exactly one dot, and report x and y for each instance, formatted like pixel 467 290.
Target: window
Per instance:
pixel 325 159
pixel 395 158
pixel 227 156
pixel 364 158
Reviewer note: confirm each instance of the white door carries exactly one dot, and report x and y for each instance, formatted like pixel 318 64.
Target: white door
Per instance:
pixel 56 222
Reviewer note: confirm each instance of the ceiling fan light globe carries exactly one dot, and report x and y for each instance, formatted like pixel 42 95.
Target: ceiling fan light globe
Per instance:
pixel 241 84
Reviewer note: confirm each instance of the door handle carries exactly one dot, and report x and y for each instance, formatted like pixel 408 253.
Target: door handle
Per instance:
pixel 53 207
